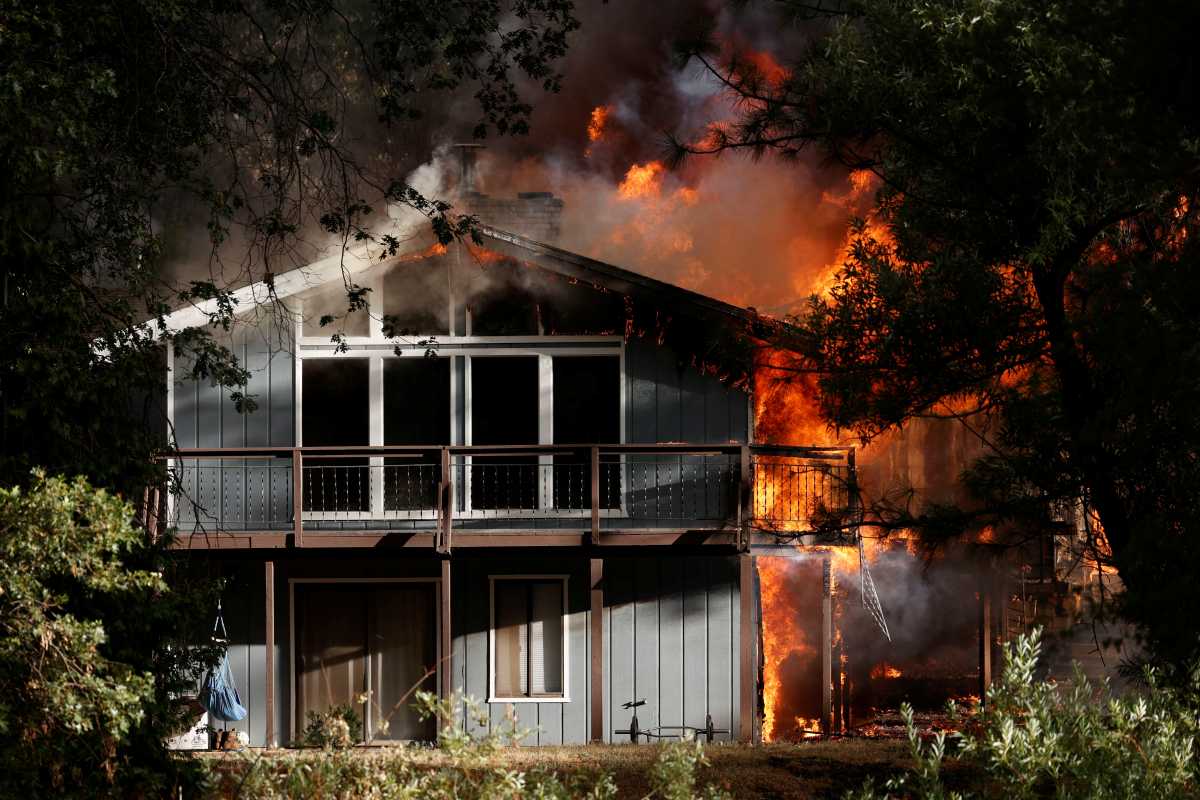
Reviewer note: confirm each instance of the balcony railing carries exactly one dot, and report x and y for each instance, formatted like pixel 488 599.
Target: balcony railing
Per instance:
pixel 588 487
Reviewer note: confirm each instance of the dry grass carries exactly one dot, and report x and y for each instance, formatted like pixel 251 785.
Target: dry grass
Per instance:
pixel 818 769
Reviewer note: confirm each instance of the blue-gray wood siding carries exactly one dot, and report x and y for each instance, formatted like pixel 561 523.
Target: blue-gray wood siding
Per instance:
pixel 244 604
pixel 250 494
pixel 668 400
pixel 671 631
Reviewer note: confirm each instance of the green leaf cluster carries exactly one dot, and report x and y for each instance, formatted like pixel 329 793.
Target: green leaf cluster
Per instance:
pixel 1035 739
pixel 86 696
pixel 1027 265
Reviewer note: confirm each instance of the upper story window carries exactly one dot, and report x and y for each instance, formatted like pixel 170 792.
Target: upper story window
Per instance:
pixel 528 638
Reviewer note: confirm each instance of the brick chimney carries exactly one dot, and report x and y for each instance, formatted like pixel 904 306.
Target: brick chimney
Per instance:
pixel 535 215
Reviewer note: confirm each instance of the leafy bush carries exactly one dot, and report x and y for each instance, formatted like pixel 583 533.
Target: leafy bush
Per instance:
pixel 336 728
pixel 85 704
pixel 1038 739
pixel 462 768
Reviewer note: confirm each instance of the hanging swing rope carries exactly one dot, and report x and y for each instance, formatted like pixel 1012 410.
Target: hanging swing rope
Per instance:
pixel 219 696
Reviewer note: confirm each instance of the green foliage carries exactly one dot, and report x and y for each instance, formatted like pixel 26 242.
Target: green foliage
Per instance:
pixel 138 179
pixel 673 776
pixel 467 767
pixel 1030 256
pixel 336 728
pixel 1037 739
pixel 84 702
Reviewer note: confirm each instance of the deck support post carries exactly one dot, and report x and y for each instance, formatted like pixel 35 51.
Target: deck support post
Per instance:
pixel 445 506
pixel 595 495
pixel 826 646
pixel 747 702
pixel 298 496
pixel 445 643
pixel 597 645
pixel 269 647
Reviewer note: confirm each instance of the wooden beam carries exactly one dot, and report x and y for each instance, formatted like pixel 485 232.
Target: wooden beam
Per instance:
pixel 445 644
pixel 826 646
pixel 597 640
pixel 298 496
pixel 746 641
pixel 445 504
pixel 595 495
pixel 269 578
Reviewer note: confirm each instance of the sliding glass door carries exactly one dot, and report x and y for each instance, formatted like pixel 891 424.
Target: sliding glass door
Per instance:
pixel 368 646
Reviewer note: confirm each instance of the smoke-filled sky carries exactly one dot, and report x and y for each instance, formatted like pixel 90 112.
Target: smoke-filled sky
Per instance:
pixel 755 233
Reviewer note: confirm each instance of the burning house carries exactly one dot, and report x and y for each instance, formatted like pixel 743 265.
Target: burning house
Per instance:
pixel 544 480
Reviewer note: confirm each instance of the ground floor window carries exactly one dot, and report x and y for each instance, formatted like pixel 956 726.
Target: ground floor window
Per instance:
pixel 528 638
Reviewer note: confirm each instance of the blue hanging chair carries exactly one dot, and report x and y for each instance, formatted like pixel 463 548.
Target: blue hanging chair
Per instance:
pixel 219 696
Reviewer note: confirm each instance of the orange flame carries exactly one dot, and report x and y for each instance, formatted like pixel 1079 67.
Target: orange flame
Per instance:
pixel 781 638
pixel 597 121
pixel 642 180
pixel 885 671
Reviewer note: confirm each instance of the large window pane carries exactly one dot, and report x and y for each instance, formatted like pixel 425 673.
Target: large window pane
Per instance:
pixel 416 411
pixel 504 410
pixel 587 410
pixel 335 412
pixel 416 401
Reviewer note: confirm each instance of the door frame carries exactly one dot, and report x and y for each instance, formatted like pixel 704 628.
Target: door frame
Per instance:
pixel 437 624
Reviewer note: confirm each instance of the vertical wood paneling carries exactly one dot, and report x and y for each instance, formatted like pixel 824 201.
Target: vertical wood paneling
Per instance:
pixel 574 719
pixel 280 403
pixel 721 662
pixel 647 628
pixel 473 597
pixel 670 641
pixel 640 380
pixel 553 723
pixel 618 578
pixel 695 641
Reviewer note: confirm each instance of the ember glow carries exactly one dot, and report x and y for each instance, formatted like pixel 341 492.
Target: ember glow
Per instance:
pixel 599 118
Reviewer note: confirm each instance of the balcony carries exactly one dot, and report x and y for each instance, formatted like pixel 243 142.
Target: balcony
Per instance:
pixel 441 496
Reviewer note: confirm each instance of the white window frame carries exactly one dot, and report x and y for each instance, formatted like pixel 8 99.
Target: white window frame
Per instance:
pixel 566 639
pixel 376 347
pixel 437 623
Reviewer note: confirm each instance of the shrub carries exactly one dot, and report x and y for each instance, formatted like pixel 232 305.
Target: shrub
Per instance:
pixel 85 704
pixel 464 768
pixel 335 728
pixel 1039 739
